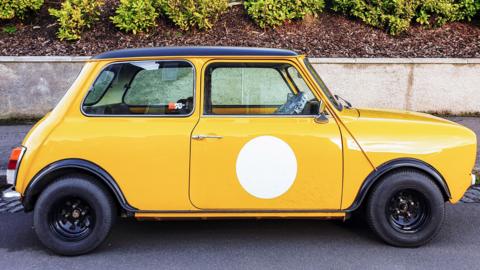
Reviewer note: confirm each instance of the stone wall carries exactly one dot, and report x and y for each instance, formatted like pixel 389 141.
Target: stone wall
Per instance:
pixel 31 86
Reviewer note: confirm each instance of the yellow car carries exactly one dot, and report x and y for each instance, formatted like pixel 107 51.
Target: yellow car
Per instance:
pixel 217 132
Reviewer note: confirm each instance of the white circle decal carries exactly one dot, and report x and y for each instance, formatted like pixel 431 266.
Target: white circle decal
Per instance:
pixel 266 167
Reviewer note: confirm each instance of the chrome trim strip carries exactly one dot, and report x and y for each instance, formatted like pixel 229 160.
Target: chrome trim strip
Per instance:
pixel 201 137
pixel 247 211
pixel 259 116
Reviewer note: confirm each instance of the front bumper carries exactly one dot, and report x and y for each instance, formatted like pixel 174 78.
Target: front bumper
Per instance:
pixel 10 200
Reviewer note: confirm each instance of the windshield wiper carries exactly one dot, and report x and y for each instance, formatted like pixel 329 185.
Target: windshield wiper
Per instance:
pixel 347 104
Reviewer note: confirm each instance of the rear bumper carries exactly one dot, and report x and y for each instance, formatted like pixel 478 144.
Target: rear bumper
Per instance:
pixel 10 200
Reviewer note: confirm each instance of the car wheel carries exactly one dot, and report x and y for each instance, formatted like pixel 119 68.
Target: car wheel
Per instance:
pixel 73 215
pixel 406 209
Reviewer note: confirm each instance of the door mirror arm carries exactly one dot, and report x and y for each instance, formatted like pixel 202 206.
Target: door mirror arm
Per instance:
pixel 321 117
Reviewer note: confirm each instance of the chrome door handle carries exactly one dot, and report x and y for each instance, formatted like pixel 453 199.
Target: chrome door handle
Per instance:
pixel 201 137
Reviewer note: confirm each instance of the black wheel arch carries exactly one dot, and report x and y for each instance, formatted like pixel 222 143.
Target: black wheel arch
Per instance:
pixel 392 165
pixel 69 166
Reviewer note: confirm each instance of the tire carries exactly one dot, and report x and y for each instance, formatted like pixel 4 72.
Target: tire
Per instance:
pixel 406 209
pixel 74 215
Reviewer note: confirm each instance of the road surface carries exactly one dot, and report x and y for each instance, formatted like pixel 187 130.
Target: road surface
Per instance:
pixel 244 244
pixel 249 244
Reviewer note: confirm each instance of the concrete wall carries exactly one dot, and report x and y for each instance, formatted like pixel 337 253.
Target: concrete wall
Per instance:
pixel 437 85
pixel 31 86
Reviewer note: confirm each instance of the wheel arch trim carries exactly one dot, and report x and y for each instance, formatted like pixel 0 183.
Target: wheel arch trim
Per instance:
pixel 48 174
pixel 391 165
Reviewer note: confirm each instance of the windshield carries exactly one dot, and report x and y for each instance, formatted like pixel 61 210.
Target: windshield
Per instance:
pixel 322 85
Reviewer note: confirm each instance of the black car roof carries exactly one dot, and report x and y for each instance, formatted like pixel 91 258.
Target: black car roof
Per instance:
pixel 194 51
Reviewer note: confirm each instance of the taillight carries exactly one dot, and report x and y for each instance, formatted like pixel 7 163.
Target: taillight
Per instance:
pixel 13 163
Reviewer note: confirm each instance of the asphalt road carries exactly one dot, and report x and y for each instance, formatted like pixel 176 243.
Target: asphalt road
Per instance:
pixel 244 244
pixel 249 244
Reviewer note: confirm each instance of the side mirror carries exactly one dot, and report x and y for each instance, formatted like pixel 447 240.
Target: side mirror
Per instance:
pixel 322 107
pixel 321 117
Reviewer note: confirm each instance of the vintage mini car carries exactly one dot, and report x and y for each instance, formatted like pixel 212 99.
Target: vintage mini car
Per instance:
pixel 218 132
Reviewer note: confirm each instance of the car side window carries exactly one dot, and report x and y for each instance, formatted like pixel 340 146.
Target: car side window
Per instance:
pixel 100 86
pixel 142 88
pixel 257 89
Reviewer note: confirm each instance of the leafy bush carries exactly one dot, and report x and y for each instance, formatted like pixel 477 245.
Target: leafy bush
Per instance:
pixel 272 13
pixel 10 9
pixel 396 15
pixel 467 9
pixel 74 16
pixel 188 14
pixel 135 15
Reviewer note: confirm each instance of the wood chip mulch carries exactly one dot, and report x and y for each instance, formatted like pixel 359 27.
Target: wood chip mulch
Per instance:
pixel 328 35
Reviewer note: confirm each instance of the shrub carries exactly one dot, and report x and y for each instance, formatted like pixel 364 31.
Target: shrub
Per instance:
pixel 135 15
pixel 10 9
pixel 74 16
pixel 439 12
pixel 467 9
pixel 396 15
pixel 188 14
pixel 272 13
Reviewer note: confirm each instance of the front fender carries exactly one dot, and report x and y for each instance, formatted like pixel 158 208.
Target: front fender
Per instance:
pixel 375 176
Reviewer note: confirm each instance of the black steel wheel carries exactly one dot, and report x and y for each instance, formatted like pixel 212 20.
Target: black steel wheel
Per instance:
pixel 74 215
pixel 72 218
pixel 406 208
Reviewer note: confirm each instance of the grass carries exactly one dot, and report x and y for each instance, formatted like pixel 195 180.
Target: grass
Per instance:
pixel 450 114
pixel 9 29
pixel 19 121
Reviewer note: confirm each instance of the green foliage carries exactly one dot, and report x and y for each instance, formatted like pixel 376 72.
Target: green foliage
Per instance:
pixel 135 15
pixel 9 29
pixel 396 15
pixel 10 9
pixel 467 9
pixel 272 13
pixel 188 14
pixel 74 16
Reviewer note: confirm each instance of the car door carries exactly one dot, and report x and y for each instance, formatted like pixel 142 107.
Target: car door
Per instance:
pixel 257 146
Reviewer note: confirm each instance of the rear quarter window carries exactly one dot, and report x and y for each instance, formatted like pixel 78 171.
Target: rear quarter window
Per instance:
pixel 142 88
